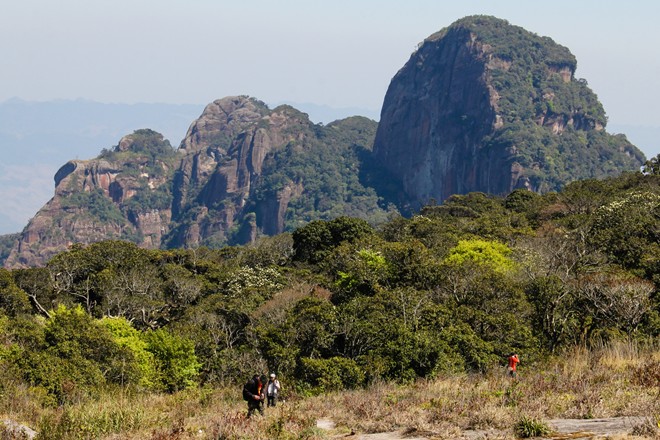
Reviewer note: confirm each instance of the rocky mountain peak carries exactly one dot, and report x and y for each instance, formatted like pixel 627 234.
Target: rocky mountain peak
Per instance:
pixel 222 120
pixel 483 105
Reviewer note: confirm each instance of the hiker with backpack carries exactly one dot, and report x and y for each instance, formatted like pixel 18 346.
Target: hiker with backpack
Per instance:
pixel 253 394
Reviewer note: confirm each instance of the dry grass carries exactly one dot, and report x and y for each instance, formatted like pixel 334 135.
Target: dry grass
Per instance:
pixel 610 382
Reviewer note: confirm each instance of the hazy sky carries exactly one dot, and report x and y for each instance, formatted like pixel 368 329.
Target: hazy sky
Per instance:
pixel 340 53
pixel 337 53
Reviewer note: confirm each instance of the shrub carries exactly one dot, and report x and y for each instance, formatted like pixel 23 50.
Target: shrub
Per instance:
pixel 70 355
pixel 528 427
pixel 647 374
pixel 177 363
pixel 128 337
pixel 331 374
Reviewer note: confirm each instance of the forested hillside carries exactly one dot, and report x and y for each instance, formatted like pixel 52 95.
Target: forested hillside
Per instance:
pixel 338 304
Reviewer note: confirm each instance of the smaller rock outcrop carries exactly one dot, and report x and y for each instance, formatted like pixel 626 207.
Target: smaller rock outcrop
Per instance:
pixel 122 194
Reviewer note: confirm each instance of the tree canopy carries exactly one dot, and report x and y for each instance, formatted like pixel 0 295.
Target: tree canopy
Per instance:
pixel 338 303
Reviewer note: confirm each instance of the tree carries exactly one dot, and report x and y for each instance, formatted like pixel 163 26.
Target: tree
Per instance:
pixel 615 301
pixel 145 371
pixel 628 230
pixel 481 253
pixel 313 241
pixel 331 374
pixel 70 354
pixel 35 282
pixel 556 313
pixel 177 364
pixel 13 300
pixel 652 166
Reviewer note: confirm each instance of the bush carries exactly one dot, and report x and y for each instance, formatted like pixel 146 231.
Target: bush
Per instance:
pixel 331 374
pixel 69 355
pixel 647 374
pixel 126 336
pixel 178 367
pixel 528 427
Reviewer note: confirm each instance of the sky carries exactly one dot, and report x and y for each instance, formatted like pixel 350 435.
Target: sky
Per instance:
pixel 339 53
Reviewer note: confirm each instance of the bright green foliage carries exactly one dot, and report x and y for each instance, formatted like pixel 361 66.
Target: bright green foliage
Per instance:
pixel 175 357
pixel 126 336
pixel 361 272
pixel 331 374
pixel 70 354
pixel 481 253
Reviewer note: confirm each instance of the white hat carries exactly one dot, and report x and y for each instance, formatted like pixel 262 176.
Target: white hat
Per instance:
pixel 272 374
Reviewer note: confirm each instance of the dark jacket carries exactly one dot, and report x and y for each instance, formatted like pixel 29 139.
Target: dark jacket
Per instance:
pixel 252 389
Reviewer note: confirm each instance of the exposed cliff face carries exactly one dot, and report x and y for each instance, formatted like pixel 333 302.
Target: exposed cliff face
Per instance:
pixel 123 194
pixel 231 186
pixel 243 170
pixel 225 151
pixel 486 106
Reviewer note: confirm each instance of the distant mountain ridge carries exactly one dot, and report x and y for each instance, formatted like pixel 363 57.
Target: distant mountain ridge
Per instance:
pixel 41 136
pixel 243 170
pixel 481 106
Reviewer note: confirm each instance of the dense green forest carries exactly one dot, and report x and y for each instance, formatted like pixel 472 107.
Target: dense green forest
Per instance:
pixel 338 304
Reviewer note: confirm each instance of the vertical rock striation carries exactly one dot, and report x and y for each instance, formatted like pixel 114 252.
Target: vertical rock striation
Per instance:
pixel 486 106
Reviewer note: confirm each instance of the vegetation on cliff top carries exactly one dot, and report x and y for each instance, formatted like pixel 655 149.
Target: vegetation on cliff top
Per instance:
pixel 144 162
pixel 328 167
pixel 551 123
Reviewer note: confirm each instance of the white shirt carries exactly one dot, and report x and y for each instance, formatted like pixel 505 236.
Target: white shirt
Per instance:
pixel 273 387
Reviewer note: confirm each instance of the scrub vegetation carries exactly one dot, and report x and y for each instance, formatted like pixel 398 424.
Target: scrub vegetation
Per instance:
pixel 402 327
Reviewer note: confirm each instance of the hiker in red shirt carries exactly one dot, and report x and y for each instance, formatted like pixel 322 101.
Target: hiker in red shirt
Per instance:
pixel 513 361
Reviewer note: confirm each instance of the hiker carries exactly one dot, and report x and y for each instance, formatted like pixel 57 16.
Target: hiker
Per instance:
pixel 273 388
pixel 513 362
pixel 253 394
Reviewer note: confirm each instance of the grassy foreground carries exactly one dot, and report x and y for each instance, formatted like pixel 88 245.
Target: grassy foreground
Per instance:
pixel 621 380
